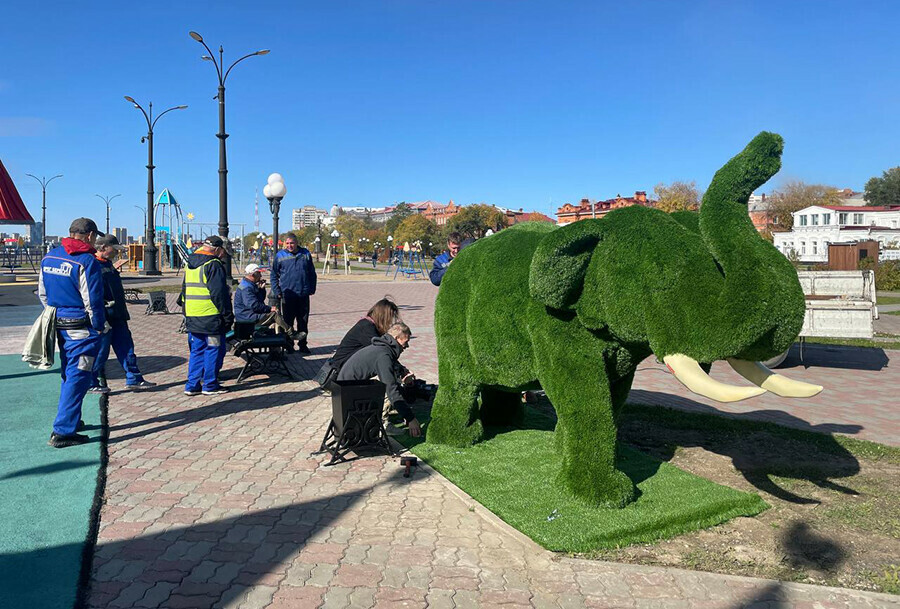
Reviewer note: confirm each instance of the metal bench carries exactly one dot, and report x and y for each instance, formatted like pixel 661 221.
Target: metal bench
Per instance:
pixel 261 353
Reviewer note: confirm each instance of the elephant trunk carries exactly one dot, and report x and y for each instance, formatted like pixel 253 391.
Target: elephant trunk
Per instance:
pixel 760 308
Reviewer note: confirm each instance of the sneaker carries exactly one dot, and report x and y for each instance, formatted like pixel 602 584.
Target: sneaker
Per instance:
pixel 191 392
pixel 141 385
pixel 218 391
pixel 393 431
pixel 299 336
pixel 99 389
pixel 302 348
pixel 62 441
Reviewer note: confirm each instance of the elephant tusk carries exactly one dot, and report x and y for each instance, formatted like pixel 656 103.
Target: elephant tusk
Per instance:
pixel 759 375
pixel 692 376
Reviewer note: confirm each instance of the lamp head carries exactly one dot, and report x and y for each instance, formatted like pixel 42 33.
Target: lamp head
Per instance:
pixel 130 99
pixel 263 52
pixel 206 58
pixel 196 36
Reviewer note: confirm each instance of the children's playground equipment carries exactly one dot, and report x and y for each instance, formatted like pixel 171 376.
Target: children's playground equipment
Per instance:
pixel 14 256
pixel 407 260
pixel 331 259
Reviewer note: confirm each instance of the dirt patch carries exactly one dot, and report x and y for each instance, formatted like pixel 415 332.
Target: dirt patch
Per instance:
pixel 835 515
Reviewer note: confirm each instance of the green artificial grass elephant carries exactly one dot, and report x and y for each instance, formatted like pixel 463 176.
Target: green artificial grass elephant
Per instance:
pixel 574 310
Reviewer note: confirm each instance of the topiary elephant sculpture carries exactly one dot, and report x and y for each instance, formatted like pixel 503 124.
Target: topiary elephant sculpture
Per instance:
pixel 574 310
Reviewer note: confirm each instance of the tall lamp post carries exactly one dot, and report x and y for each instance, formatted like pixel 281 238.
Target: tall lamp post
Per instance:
pixel 107 201
pixel 274 191
pixel 43 182
pixel 222 73
pixel 144 215
pixel 150 236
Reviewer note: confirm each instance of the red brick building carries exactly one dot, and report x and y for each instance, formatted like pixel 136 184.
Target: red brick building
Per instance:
pixel 597 209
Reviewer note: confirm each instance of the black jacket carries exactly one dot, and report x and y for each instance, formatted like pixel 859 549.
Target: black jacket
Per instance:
pixel 359 336
pixel 113 294
pixel 219 293
pixel 379 359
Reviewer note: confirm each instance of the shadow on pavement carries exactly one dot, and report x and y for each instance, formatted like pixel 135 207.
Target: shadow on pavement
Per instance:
pixel 148 364
pixel 49 469
pixel 210 411
pixel 816 355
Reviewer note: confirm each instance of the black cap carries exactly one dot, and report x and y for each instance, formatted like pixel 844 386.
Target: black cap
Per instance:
pixel 214 241
pixel 109 240
pixel 83 226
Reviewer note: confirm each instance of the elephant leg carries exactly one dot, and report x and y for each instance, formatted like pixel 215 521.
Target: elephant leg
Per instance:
pixel 576 381
pixel 454 415
pixel 501 408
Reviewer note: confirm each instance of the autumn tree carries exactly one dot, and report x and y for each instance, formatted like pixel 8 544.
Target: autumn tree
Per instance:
pixel 473 221
pixel 415 228
pixel 401 212
pixel 350 227
pixel 677 196
pixel 794 196
pixel 536 216
pixel 884 190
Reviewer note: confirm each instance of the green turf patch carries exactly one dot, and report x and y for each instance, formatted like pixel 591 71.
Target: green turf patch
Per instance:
pixel 46 494
pixel 514 474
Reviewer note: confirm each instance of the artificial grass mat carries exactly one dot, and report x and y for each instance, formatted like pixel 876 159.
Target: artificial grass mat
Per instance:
pixel 513 473
pixel 46 494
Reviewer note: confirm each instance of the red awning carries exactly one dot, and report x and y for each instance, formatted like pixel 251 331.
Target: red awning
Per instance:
pixel 12 209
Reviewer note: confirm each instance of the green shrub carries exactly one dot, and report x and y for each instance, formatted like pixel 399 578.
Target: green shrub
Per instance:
pixel 575 309
pixel 887 273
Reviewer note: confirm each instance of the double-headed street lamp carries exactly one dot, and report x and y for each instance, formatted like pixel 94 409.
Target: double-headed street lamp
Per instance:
pixel 222 73
pixel 144 215
pixel 107 200
pixel 43 182
pixel 150 237
pixel 274 191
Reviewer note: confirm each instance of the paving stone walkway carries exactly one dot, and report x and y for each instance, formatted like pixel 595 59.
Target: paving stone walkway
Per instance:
pixel 218 502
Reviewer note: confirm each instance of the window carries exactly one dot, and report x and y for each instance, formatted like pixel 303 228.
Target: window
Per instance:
pixel 857 219
pixel 815 219
pixel 842 218
pixel 803 220
pixel 815 245
pixel 803 247
pixel 826 219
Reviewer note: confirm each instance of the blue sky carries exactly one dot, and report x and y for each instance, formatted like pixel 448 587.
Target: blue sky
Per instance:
pixel 514 103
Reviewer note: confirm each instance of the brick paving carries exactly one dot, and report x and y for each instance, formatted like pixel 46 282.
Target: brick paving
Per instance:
pixel 217 501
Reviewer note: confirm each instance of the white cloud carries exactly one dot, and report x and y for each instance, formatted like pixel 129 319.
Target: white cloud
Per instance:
pixel 24 126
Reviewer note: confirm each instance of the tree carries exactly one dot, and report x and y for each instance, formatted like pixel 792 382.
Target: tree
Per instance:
pixel 537 216
pixel 677 196
pixel 884 190
pixel 401 212
pixel 796 195
pixel 350 227
pixel 473 221
pixel 415 228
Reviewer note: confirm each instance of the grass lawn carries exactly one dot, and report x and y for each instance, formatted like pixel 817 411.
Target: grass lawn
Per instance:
pixel 881 341
pixel 887 300
pixel 513 473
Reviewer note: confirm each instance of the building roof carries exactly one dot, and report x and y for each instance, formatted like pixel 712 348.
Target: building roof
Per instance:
pixel 12 208
pixel 859 209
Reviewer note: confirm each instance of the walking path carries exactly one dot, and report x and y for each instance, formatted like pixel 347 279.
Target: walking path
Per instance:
pixel 216 501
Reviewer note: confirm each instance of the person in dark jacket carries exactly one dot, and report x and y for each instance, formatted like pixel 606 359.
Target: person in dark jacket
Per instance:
pixel 377 321
pixel 118 336
pixel 294 281
pixel 443 260
pixel 250 301
pixel 380 360
pixel 208 316
pixel 70 280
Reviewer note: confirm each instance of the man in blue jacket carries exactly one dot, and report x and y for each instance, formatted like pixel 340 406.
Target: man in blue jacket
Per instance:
pixel 294 281
pixel 70 280
pixel 118 337
pixel 250 301
pixel 208 316
pixel 443 260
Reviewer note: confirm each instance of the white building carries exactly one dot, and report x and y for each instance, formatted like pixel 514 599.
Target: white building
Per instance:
pixel 307 216
pixel 817 226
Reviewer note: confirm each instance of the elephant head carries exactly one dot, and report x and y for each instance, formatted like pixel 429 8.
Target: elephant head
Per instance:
pixel 694 288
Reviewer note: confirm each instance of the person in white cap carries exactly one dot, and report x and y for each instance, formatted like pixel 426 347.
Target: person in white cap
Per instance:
pixel 250 301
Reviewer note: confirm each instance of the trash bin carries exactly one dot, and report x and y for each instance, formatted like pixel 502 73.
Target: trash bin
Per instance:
pixel 361 398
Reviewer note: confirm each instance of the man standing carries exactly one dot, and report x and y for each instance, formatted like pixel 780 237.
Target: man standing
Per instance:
pixel 208 316
pixel 70 280
pixel 443 260
pixel 382 359
pixel 250 301
pixel 118 336
pixel 294 281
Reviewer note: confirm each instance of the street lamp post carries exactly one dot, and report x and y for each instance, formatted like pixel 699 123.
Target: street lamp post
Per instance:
pixel 144 215
pixel 222 73
pixel 274 191
pixel 43 182
pixel 150 235
pixel 107 201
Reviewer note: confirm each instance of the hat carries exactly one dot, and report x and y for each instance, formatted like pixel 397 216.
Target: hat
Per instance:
pixel 109 240
pixel 214 241
pixel 251 268
pixel 83 226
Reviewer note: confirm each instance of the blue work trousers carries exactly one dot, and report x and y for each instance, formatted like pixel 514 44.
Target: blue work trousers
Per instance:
pixel 207 356
pixel 77 351
pixel 119 339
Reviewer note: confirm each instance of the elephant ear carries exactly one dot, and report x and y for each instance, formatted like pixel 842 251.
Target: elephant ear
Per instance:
pixel 560 261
